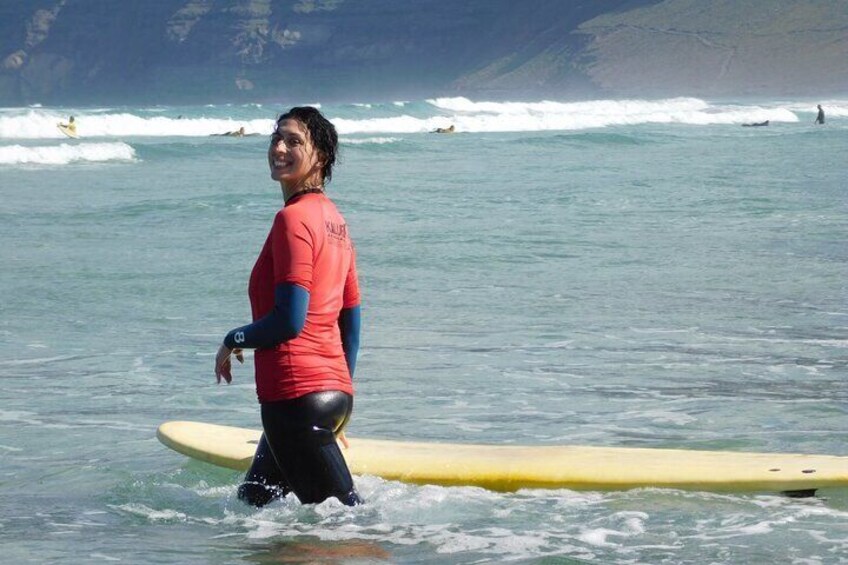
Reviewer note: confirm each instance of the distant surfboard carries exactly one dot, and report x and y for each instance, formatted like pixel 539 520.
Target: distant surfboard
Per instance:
pixel 512 467
pixel 67 131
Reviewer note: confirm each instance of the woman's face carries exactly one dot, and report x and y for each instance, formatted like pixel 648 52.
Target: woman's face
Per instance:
pixel 293 159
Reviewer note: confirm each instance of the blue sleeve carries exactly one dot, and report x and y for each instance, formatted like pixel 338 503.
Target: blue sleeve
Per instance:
pixel 281 324
pixel 350 321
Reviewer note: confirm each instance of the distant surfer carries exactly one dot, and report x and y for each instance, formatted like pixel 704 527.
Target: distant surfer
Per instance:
pixel 755 125
pixel 304 295
pixel 820 116
pixel 69 129
pixel 240 132
pixel 450 129
pixel 237 133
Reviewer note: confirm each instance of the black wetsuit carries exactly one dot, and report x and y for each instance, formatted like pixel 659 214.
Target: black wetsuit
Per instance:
pixel 302 455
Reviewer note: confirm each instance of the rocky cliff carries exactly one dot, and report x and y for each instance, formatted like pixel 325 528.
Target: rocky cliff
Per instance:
pixel 193 51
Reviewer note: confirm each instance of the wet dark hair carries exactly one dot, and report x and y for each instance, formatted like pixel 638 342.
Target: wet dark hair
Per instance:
pixel 323 134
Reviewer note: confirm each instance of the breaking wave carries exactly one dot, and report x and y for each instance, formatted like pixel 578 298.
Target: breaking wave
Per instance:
pixel 412 117
pixel 65 153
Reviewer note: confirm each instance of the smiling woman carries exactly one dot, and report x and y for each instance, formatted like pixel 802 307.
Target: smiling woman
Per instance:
pixel 304 295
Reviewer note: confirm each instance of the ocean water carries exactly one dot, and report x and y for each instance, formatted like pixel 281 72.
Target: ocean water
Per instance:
pixel 635 273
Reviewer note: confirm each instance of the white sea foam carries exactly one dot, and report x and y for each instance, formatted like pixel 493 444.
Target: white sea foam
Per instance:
pixel 103 557
pixel 467 115
pixel 41 124
pixel 152 514
pixel 397 124
pixel 65 153
pixel 39 361
pixel 832 108
pixel 369 140
pixel 471 116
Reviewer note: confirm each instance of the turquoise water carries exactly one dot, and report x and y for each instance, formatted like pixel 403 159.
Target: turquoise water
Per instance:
pixel 613 273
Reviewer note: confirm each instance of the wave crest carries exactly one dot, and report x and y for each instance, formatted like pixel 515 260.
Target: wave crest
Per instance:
pixel 415 117
pixel 65 153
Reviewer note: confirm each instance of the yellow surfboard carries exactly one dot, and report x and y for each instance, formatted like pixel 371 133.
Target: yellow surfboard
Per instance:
pixel 70 132
pixel 508 468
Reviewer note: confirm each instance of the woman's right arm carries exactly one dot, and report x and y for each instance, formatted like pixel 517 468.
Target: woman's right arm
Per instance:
pixel 284 322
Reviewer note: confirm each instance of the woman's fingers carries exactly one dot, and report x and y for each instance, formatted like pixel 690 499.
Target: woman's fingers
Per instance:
pixel 223 371
pixel 223 366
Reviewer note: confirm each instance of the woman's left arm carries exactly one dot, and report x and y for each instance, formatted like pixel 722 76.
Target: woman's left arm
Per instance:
pixel 350 322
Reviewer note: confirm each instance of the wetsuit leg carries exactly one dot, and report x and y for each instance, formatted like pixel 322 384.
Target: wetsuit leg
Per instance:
pixel 302 436
pixel 264 480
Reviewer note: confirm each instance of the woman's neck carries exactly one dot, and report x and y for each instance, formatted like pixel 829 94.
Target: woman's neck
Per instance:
pixel 289 193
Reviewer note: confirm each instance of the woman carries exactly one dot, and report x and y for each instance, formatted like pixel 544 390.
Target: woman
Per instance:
pixel 304 296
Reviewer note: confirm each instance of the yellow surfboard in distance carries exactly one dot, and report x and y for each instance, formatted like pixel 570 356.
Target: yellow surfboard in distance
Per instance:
pixel 67 131
pixel 508 468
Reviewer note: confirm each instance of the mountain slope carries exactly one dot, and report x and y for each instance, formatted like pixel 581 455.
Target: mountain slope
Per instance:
pixel 173 51
pixel 722 47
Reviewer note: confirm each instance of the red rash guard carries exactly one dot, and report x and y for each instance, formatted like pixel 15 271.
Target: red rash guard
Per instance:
pixel 309 246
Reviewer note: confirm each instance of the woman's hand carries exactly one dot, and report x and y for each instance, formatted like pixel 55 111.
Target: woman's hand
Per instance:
pixel 341 437
pixel 223 366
